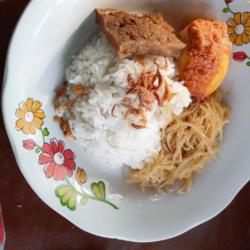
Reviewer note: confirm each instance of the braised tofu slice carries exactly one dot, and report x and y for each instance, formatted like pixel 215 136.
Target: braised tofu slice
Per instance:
pixel 132 34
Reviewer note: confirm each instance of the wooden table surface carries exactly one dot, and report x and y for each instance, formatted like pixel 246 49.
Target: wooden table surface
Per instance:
pixel 32 225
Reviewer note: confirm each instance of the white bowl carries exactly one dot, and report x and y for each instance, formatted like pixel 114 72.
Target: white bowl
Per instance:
pixel 48 34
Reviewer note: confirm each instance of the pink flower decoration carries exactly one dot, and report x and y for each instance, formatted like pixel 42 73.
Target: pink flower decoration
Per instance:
pixel 240 56
pixel 57 160
pixel 29 144
pixel 228 1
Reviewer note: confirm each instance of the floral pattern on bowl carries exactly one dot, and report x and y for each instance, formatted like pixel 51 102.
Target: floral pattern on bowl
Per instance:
pixel 238 31
pixel 58 162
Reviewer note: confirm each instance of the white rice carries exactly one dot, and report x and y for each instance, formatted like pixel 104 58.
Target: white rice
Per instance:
pixel 112 140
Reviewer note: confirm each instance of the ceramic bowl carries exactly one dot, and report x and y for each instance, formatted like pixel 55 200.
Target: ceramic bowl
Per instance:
pixel 98 200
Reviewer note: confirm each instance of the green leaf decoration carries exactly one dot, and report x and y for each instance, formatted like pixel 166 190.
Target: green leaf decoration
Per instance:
pixel 84 200
pixel 45 132
pixel 248 63
pixel 98 189
pixel 38 150
pixel 62 190
pixel 225 10
pixel 72 201
pixel 67 196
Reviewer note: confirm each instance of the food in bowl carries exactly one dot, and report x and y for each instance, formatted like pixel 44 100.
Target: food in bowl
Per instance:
pixel 116 117
pixel 131 34
pixel 137 96
pixel 204 62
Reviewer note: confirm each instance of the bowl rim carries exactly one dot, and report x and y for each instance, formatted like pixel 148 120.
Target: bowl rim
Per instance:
pixel 234 190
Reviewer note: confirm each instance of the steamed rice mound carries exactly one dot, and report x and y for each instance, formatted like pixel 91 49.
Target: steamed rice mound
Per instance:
pixel 90 118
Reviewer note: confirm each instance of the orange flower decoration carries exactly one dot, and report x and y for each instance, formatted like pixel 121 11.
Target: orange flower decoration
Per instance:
pixel 81 176
pixel 239 28
pixel 30 116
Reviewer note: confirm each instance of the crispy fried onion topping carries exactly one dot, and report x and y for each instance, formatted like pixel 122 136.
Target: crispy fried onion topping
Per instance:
pixel 149 88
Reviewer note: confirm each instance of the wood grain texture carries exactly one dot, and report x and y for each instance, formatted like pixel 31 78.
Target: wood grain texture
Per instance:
pixel 31 225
